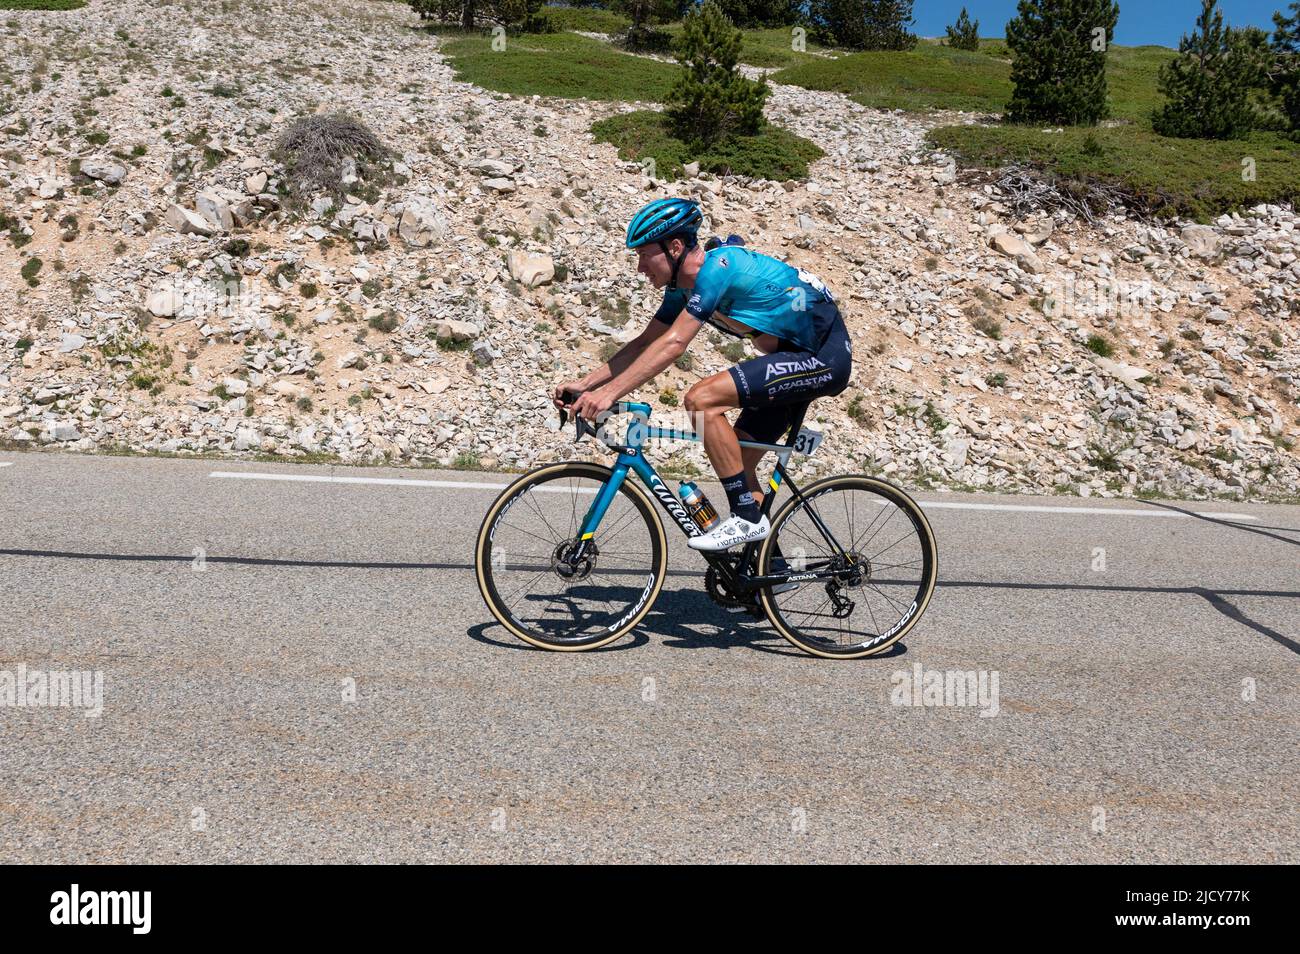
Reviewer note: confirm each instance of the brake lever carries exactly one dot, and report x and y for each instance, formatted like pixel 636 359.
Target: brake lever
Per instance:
pixel 568 397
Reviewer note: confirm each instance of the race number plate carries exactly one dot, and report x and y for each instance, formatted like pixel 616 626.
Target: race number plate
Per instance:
pixel 807 441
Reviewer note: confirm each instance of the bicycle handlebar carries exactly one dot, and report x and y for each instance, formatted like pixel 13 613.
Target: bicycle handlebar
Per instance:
pixel 582 426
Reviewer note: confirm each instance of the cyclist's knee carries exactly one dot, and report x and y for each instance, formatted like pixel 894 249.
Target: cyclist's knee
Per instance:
pixel 707 397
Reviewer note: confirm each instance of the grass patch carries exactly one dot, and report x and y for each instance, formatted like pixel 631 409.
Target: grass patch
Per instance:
pixel 932 76
pixel 557 64
pixel 766 48
pixel 1194 178
pixel 1100 346
pixel 41 4
pixel 773 153
pixel 586 18
pixel 928 77
pixel 1197 178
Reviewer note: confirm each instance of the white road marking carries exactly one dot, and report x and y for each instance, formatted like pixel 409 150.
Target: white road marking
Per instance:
pixel 382 481
pixel 6 463
pixel 927 504
pixel 1109 511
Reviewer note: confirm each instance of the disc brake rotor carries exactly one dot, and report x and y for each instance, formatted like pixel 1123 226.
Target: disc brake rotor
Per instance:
pixel 569 569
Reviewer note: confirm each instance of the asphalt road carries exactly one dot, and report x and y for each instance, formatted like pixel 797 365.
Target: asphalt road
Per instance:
pixel 1124 731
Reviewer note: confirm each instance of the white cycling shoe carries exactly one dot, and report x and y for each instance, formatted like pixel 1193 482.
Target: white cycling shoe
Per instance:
pixel 730 533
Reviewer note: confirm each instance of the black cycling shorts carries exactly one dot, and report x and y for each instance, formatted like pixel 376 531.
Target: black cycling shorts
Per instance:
pixel 771 385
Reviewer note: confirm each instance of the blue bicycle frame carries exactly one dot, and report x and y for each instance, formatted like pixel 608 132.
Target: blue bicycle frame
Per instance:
pixel 631 458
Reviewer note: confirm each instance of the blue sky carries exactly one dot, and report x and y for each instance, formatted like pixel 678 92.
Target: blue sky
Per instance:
pixel 1140 21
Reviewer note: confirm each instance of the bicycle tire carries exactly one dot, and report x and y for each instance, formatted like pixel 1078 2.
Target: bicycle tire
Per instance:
pixel 493 522
pixel 872 643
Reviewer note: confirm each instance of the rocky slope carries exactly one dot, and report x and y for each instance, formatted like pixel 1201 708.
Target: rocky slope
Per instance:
pixel 182 305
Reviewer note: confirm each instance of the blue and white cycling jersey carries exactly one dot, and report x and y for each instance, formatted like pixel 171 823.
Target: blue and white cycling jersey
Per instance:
pixel 758 291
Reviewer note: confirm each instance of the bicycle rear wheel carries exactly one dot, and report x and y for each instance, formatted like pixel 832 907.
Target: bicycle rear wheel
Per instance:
pixel 884 576
pixel 540 595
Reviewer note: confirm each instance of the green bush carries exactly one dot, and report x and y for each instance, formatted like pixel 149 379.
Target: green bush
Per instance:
pixel 1100 346
pixel 1058 63
pixel 772 153
pixel 31 268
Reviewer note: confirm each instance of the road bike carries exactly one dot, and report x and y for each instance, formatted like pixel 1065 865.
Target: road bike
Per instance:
pixel 572 556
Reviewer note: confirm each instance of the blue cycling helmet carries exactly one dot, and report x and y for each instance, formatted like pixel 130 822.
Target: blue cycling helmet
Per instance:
pixel 661 220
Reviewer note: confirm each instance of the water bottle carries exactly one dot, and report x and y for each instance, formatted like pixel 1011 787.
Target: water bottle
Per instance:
pixel 698 506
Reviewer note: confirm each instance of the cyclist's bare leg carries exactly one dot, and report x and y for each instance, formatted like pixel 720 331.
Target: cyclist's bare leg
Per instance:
pixel 708 402
pixel 750 456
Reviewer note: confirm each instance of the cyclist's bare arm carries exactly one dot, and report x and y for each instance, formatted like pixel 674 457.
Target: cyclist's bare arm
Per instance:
pixel 621 360
pixel 662 347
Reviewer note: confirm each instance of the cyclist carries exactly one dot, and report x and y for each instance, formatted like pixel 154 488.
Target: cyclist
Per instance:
pixel 788 314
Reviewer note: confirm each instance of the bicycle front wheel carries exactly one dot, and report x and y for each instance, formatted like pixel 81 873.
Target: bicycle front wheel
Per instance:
pixel 529 578
pixel 879 546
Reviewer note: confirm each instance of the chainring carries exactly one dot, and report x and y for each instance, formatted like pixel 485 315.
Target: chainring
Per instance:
pixel 719 593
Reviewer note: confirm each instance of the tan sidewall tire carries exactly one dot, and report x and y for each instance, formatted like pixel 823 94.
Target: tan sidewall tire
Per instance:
pixel 889 491
pixel 583 469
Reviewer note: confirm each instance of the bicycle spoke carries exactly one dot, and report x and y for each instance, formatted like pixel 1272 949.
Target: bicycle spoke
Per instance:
pixel 875 535
pixel 878 529
pixel 509 526
pixel 527 589
pixel 905 536
pixel 538 510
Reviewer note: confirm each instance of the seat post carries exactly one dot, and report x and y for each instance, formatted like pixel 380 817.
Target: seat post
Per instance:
pixel 797 421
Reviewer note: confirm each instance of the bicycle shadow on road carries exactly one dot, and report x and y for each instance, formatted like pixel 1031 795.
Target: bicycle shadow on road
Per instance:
pixel 683 619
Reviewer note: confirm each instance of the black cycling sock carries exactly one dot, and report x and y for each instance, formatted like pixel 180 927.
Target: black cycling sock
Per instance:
pixel 740 497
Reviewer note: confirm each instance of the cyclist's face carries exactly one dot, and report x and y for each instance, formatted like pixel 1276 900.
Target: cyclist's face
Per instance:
pixel 654 265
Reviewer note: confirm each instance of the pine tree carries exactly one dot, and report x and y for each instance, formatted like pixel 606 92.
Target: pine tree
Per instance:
pixel 863 24
pixel 1207 87
pixel 1058 60
pixel 1286 75
pixel 964 35
pixel 711 101
pixel 645 14
pixel 466 12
